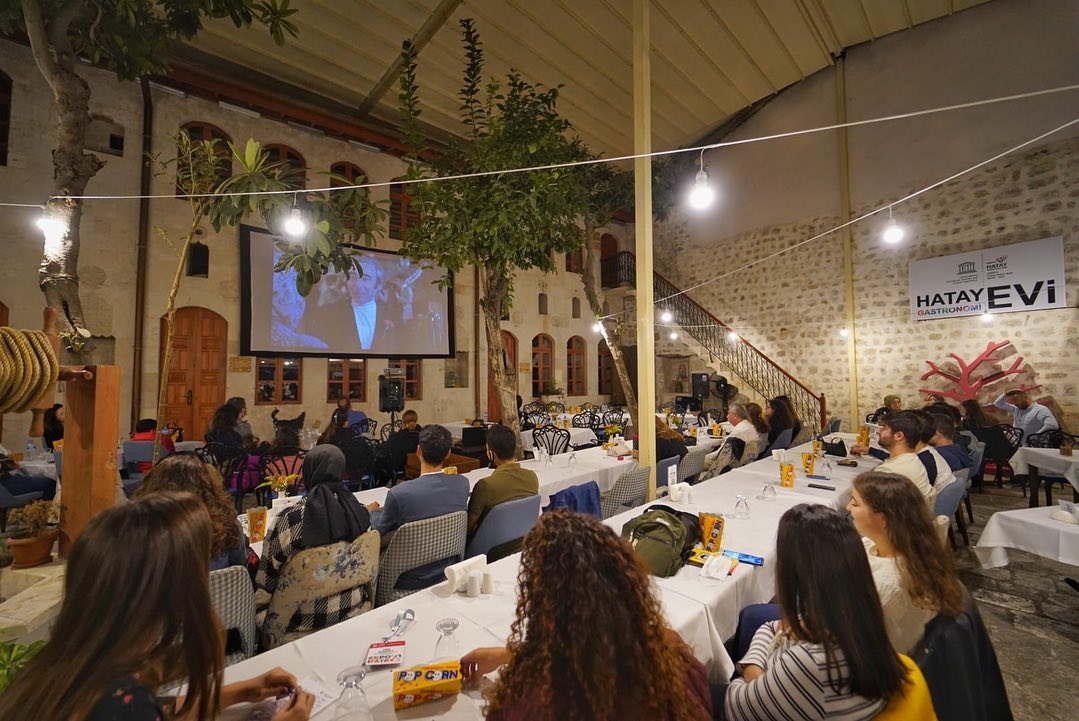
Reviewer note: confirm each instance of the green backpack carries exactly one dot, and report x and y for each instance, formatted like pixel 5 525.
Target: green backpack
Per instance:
pixel 659 537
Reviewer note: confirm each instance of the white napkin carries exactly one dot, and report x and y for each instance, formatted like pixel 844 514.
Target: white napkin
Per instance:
pixel 680 492
pixel 457 574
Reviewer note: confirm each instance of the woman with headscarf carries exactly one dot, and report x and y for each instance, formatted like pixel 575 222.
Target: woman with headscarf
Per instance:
pixel 329 513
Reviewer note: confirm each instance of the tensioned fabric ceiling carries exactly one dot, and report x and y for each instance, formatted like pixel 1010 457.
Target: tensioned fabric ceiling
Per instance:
pixel 710 58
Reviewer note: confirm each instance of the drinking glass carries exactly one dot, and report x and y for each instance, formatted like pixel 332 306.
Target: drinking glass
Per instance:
pixel 446 647
pixel 352 703
pixel 768 493
pixel 741 509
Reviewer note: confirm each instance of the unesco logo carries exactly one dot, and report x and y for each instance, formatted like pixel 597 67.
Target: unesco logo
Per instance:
pixel 967 268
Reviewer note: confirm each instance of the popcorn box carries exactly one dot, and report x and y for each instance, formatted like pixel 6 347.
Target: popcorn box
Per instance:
pixel 809 460
pixel 786 475
pixel 711 531
pixel 442 678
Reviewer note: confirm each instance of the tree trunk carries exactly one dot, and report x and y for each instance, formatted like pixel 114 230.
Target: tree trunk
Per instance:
pixel 73 168
pixel 166 358
pixel 595 302
pixel 495 290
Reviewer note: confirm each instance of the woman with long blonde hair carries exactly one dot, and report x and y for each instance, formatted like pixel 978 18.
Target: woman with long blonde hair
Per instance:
pixel 589 641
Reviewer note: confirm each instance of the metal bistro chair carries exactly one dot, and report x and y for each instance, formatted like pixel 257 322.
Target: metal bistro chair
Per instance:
pixel 555 408
pixel 504 523
pixel 360 452
pixel 615 418
pixel 1052 438
pixel 285 461
pixel 629 491
pixel 390 428
pixel 553 440
pixel 234 601
pixel 538 420
pixel 230 462
pixel 416 544
pixel 692 464
pixel 583 420
pixel 534 407
pixel 1001 442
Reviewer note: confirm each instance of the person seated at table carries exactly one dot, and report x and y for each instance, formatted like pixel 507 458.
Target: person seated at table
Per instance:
pixel 937 470
pixel 1027 416
pixel 589 640
pixel 184 472
pixel 743 430
pixel 796 426
pixel 943 441
pixel 973 416
pixel 327 514
pixel 900 433
pixel 913 572
pixel 223 427
pixel 102 663
pixel 337 431
pixel 433 493
pixel 669 442
pixel 18 483
pixel 779 418
pixel 54 426
pixel 354 416
pixel 892 404
pixel 509 482
pixel 756 417
pixel 815 663
pixel 146 430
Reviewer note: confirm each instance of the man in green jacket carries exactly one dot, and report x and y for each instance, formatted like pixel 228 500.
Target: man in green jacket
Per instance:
pixel 508 483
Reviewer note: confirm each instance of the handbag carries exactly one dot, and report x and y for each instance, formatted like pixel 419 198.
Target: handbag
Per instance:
pixel 834 447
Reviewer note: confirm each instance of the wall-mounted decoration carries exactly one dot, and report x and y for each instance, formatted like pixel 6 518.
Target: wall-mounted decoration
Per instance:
pixel 241 364
pixel 1004 279
pixel 970 377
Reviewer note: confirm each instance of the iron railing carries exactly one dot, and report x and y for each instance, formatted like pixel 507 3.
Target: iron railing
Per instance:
pixel 718 340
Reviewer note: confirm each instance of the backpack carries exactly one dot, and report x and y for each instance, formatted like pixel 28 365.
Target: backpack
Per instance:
pixel 691 521
pixel 660 538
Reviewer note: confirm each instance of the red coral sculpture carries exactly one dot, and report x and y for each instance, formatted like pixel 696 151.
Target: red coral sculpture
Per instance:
pixel 966 384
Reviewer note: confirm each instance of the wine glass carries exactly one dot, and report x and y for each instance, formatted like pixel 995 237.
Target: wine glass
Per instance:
pixel 446 647
pixel 768 494
pixel 741 509
pixel 352 703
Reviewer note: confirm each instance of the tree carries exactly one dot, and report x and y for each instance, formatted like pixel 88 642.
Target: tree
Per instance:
pixel 131 38
pixel 499 223
pixel 335 220
pixel 965 384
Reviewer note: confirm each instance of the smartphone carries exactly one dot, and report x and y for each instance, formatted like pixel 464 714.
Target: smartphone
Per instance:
pixel 745 558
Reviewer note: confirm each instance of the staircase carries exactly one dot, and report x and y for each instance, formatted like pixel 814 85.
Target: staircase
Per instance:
pixel 718 342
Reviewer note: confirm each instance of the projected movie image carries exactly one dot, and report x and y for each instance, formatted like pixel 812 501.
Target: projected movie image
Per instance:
pixel 395 309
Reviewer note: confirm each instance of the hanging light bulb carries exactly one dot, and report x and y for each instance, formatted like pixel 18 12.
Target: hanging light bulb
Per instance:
pixel 702 194
pixel 295 224
pixel 733 336
pixel 666 316
pixel 844 332
pixel 893 232
pixel 54 229
pixel 987 317
pixel 673 336
pixel 596 328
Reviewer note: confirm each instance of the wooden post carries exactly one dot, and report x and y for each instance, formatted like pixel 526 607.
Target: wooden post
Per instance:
pixel 91 432
pixel 848 243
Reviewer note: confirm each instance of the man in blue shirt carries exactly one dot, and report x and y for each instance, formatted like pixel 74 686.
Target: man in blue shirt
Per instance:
pixel 432 494
pixel 1028 416
pixel 942 440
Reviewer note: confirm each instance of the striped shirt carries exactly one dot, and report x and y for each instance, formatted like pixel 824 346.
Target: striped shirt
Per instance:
pixel 794 685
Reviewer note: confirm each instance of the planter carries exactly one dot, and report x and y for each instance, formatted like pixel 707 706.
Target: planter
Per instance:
pixel 34 550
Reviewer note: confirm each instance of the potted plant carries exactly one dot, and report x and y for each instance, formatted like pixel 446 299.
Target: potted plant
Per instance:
pixel 13 656
pixel 550 390
pixel 32 545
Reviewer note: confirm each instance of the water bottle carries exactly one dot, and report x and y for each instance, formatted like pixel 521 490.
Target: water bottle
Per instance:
pixel 31 450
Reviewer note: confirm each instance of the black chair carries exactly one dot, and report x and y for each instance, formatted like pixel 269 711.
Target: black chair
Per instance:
pixel 473 444
pixel 583 420
pixel 230 462
pixel 390 428
pixel 367 425
pixel 534 407
pixel 538 420
pixel 1052 438
pixel 360 461
pixel 1001 442
pixel 614 418
pixel 590 407
pixel 554 440
pixel 554 408
pixel 283 461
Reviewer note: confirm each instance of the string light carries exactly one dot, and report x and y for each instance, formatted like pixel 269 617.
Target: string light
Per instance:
pixel 673 336
pixel 702 194
pixel 893 232
pixel 54 229
pixel 987 317
pixel 596 328
pixel 844 332
pixel 733 337
pixel 666 316
pixel 294 224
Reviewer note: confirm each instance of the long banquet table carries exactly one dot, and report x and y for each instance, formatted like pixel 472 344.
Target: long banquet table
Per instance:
pixel 703 611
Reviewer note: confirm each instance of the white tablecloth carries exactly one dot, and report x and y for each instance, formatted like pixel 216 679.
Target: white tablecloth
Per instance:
pixel 182 446
pixel 36 468
pixel 1028 529
pixel 1048 461
pixel 703 611
pixel 577 437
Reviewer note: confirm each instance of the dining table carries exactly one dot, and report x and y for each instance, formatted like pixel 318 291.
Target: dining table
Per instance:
pixel 1037 463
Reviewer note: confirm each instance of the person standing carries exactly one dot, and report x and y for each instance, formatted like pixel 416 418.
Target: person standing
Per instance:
pixel 1027 416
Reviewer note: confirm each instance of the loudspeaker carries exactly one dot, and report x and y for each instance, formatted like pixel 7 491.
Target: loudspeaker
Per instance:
pixel 391 395
pixel 700 385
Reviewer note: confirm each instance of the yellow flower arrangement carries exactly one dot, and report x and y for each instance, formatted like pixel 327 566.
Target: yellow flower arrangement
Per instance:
pixel 281 485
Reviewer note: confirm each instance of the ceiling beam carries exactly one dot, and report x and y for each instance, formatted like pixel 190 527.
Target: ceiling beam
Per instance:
pixel 423 36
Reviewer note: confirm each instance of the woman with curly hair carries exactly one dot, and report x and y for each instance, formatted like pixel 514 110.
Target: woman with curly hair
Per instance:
pixel 913 572
pixel 613 657
pixel 185 472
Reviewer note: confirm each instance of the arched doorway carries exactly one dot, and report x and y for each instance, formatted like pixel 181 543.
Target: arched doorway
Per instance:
pixel 608 246
pixel 196 375
pixel 509 362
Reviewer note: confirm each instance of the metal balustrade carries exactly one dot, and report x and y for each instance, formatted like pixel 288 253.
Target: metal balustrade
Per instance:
pixel 715 337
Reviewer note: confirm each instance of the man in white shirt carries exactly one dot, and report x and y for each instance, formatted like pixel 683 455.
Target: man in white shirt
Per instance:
pixel 364 291
pixel 900 433
pixel 737 416
pixel 1028 416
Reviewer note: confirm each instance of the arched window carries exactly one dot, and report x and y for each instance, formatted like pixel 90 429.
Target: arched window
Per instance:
pixel 606 369
pixel 575 261
pixel 5 115
pixel 346 173
pixel 542 301
pixel 542 363
pixel 296 174
pixel 575 307
pixel 199 131
pixel 576 365
pixel 402 217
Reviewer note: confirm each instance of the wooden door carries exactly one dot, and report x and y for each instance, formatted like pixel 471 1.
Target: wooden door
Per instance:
pixel 608 246
pixel 509 361
pixel 196 376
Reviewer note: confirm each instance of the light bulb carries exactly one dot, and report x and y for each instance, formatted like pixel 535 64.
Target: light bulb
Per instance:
pixel 666 316
pixel 54 229
pixel 702 194
pixel 844 332
pixel 893 233
pixel 673 336
pixel 987 317
pixel 596 328
pixel 294 223
pixel 733 336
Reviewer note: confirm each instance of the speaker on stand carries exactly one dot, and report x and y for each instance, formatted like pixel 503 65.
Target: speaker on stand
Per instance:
pixel 391 393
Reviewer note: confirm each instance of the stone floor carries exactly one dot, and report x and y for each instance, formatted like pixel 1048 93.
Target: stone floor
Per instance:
pixel 1032 616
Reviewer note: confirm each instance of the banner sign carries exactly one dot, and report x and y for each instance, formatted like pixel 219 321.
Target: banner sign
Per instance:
pixel 1005 279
